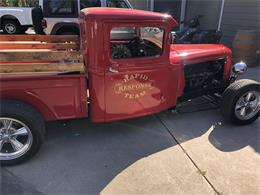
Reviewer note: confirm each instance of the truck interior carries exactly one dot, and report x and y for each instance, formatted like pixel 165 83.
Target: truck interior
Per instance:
pixel 136 42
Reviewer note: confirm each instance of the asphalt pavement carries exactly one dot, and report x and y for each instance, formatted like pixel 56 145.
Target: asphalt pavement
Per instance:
pixel 191 152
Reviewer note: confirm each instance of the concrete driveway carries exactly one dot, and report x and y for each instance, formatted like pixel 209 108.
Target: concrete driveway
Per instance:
pixel 192 153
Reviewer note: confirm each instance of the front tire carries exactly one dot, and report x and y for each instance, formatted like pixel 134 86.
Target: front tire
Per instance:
pixel 240 102
pixel 22 131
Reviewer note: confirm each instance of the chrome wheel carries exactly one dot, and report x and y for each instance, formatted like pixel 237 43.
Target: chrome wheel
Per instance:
pixel 247 105
pixel 15 138
pixel 10 28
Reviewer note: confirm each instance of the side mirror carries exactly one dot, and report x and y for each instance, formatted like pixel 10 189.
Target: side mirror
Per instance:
pixel 172 37
pixel 239 68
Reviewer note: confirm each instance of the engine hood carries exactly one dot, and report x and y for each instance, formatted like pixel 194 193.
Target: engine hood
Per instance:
pixel 197 53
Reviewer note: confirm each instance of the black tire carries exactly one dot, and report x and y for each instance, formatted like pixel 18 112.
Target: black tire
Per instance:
pixel 17 28
pixel 32 119
pixel 23 29
pixel 230 97
pixel 68 33
pixel 68 30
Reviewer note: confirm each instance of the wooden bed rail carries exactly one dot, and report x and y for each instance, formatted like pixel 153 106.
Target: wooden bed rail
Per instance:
pixel 39 42
pixel 40 53
pixel 46 38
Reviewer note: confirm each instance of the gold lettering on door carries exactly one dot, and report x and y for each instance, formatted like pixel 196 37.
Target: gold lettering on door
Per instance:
pixel 134 86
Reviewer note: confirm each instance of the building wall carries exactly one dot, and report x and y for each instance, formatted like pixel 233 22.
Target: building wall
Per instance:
pixel 209 9
pixel 172 7
pixel 239 15
pixel 140 4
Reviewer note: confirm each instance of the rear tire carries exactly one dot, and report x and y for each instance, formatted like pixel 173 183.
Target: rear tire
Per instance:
pixel 27 127
pixel 12 27
pixel 240 102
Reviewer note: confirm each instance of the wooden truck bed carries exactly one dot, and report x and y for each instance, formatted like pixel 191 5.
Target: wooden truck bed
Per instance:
pixel 32 54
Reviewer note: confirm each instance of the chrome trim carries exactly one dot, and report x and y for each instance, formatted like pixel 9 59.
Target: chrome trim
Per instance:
pixel 15 138
pixel 247 105
pixel 239 68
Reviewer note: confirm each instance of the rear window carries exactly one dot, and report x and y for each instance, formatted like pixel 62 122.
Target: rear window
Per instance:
pixel 89 3
pixel 117 3
pixel 62 8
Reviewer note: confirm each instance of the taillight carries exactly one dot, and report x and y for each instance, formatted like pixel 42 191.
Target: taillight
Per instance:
pixel 44 24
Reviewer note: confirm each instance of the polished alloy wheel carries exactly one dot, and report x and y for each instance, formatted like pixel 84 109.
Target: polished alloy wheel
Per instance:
pixel 10 28
pixel 247 105
pixel 15 138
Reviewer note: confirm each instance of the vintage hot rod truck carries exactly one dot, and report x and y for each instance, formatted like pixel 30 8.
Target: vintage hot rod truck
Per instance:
pixel 122 77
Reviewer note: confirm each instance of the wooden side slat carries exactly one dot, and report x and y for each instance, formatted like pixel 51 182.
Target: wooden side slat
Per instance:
pixel 42 38
pixel 13 56
pixel 26 73
pixel 57 67
pixel 30 54
pixel 38 46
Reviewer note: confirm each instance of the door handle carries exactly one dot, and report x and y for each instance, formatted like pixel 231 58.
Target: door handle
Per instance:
pixel 112 70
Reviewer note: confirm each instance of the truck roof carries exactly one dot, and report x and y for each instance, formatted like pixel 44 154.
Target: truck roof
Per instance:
pixel 127 14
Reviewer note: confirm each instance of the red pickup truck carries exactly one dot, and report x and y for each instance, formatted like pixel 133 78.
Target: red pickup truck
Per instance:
pixel 126 75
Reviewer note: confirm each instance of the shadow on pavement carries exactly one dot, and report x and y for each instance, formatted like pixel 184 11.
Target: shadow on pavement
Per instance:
pixel 83 157
pixel 10 184
pixel 230 138
pixel 223 136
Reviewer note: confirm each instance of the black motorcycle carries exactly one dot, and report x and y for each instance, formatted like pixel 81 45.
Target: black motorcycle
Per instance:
pixel 192 34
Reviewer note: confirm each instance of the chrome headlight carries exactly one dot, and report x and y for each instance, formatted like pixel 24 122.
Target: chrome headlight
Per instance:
pixel 239 68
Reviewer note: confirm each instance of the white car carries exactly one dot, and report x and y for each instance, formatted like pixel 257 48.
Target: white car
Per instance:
pixel 15 20
pixel 62 15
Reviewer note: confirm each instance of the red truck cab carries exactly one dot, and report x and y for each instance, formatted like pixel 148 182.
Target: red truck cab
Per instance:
pixel 125 77
pixel 130 86
pixel 118 94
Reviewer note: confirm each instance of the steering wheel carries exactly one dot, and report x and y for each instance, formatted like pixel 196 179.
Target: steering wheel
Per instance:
pixel 133 45
pixel 134 41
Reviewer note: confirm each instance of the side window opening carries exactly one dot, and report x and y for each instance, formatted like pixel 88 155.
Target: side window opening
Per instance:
pixel 60 7
pixel 89 3
pixel 117 3
pixel 135 42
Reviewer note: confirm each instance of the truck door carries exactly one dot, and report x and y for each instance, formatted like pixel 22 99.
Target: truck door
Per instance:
pixel 139 79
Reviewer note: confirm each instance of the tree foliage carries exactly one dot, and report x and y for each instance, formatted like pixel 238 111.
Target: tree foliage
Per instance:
pixel 19 3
